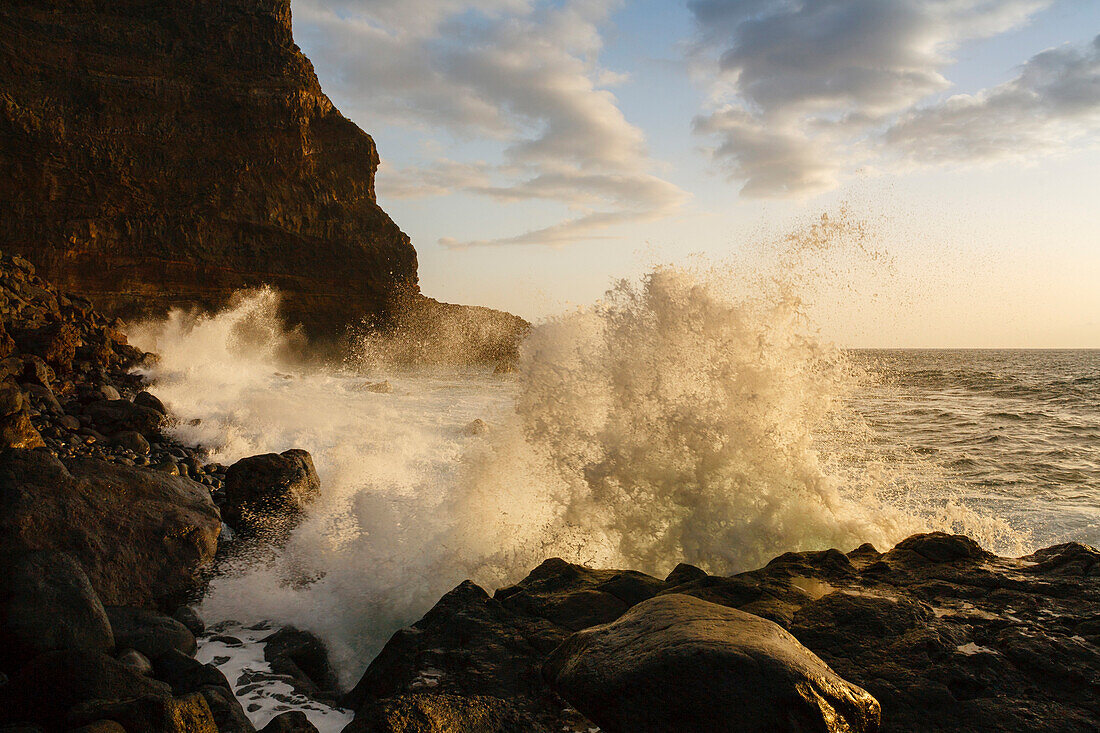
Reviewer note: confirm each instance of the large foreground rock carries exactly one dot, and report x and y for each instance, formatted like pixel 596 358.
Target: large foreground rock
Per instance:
pixel 139 535
pixel 267 494
pixel 946 636
pixel 47 604
pixel 676 663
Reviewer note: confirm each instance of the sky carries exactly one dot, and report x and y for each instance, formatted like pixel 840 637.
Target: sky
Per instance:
pixel 538 150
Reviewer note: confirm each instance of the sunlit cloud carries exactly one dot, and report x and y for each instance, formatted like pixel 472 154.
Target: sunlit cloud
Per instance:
pixel 525 74
pixel 1052 104
pixel 802 90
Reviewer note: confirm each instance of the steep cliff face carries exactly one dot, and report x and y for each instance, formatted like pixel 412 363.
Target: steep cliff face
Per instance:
pixel 155 154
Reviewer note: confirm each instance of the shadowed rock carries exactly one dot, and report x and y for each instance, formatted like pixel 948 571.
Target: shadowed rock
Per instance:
pixel 676 663
pixel 47 604
pixel 140 536
pixel 268 493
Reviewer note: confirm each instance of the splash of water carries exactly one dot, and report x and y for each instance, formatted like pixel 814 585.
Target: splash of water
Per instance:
pixel 673 421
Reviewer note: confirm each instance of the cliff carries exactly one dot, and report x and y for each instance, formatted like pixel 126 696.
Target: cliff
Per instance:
pixel 162 154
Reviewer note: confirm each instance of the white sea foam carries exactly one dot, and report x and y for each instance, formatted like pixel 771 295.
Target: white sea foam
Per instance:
pixel 676 420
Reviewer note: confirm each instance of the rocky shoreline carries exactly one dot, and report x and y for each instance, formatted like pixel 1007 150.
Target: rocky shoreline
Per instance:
pixel 108 528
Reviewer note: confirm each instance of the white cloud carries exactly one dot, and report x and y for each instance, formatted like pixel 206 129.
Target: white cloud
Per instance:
pixel 1053 102
pixel 803 87
pixel 522 72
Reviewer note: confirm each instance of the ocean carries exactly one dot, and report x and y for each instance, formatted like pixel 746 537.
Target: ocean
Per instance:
pixel 671 422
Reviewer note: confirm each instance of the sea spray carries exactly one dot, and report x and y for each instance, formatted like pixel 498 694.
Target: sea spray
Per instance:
pixel 678 419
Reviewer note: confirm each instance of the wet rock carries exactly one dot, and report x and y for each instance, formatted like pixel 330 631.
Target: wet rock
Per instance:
pixel 293 721
pixel 109 393
pixel 117 416
pixel 228 713
pixel 11 398
pixel 17 431
pixel 267 493
pixel 151 714
pixel 141 540
pixel 186 674
pixel 51 685
pixel 133 441
pixel 150 633
pixel 189 618
pixel 136 661
pixel 145 399
pixel 48 604
pixel 301 655
pixel 677 663
pixel 442 713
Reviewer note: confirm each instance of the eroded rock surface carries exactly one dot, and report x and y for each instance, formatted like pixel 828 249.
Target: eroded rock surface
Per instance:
pixel 945 635
pixel 139 535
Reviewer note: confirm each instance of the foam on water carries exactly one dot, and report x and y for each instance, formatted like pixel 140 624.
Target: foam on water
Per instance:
pixel 675 420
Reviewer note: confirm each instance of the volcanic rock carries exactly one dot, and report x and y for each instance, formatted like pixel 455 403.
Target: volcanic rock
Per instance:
pixel 268 493
pixel 150 633
pixel 48 687
pixel 302 656
pixel 677 663
pixel 293 721
pixel 945 635
pixel 117 416
pixel 105 104
pixel 140 536
pixel 47 604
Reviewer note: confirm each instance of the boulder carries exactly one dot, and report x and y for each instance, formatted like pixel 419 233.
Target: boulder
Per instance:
pixel 117 416
pixel 47 604
pixel 150 713
pixel 301 655
pixel 228 713
pixel 140 536
pixel 17 431
pixel 149 633
pixel 267 493
pixel 189 618
pixel 442 713
pixel 11 398
pixel 47 688
pixel 145 399
pixel 136 661
pixel 186 674
pixel 293 721
pixel 132 440
pixel 677 663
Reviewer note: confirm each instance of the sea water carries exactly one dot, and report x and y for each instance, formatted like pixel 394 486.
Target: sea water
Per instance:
pixel 673 421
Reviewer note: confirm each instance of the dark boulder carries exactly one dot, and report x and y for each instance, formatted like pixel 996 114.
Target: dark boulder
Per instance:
pixel 301 655
pixel 118 416
pixel 228 713
pixel 267 493
pixel 150 633
pixel 47 688
pixel 150 714
pixel 293 721
pixel 189 618
pixel 186 674
pixel 140 536
pixel 145 399
pixel 47 604
pixel 442 713
pixel 468 645
pixel 677 663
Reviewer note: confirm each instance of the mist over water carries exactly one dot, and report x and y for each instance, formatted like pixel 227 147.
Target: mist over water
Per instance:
pixel 675 420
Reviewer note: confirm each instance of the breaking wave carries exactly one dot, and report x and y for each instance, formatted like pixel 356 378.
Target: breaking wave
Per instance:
pixel 676 420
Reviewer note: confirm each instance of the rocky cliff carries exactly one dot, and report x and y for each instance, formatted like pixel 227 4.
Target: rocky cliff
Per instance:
pixel 159 154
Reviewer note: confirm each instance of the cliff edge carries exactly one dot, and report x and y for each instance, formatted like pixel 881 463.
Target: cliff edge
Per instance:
pixel 166 154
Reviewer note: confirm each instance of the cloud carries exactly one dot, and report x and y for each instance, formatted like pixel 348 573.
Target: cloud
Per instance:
pixel 522 73
pixel 801 87
pixel 1054 101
